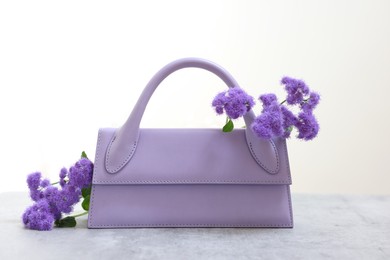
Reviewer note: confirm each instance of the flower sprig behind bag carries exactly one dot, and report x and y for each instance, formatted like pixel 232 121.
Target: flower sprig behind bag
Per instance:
pixel 276 119
pixel 53 200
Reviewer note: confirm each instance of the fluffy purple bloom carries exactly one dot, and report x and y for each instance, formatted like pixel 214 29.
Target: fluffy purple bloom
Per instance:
pixel 70 195
pixel 52 201
pixel 219 102
pixel 45 183
pixel 296 90
pixel 289 120
pixel 33 180
pixel 33 183
pixel 307 126
pixel 63 174
pixel 268 99
pixel 80 175
pixel 52 196
pixel 276 120
pixel 309 105
pixel 262 126
pixel 219 110
pixel 270 123
pixel 61 201
pixel 38 216
pixel 235 102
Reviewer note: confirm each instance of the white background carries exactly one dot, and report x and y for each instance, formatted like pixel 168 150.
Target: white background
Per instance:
pixel 68 68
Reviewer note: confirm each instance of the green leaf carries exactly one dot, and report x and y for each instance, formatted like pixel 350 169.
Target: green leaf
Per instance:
pixel 86 191
pixel 84 155
pixel 66 222
pixel 228 127
pixel 85 203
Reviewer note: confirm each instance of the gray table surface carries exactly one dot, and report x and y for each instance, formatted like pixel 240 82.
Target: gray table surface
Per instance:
pixel 326 227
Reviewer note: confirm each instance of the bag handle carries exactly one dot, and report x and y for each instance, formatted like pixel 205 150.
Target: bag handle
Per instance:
pixel 124 142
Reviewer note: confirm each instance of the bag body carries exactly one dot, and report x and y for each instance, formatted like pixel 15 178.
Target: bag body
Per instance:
pixel 188 177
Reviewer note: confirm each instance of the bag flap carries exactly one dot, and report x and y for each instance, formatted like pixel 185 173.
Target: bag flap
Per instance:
pixel 190 156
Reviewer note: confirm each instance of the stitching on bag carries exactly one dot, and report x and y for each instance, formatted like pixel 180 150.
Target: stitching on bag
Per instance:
pixel 288 186
pixel 90 215
pixel 263 165
pixel 286 161
pixel 190 182
pixel 97 156
pixel 124 162
pixel 193 225
pixel 289 205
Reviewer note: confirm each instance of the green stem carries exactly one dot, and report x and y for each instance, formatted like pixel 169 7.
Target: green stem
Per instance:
pixel 79 215
pixel 305 100
pixel 54 183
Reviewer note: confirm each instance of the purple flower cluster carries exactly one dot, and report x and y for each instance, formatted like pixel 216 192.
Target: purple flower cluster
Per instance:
pixel 276 120
pixel 307 125
pixel 270 123
pixel 38 216
pixel 235 102
pixel 50 201
pixel 296 89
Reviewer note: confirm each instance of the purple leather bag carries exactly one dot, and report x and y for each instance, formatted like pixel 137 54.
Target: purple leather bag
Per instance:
pixel 188 177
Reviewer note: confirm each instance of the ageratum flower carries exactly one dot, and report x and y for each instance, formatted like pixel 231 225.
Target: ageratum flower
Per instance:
pixel 34 183
pixel 52 202
pixel 69 196
pixel 268 99
pixel 270 122
pixel 289 120
pixel 63 174
pixel 309 105
pixel 276 120
pixel 267 125
pixel 38 216
pixel 307 126
pixel 235 102
pixel 219 102
pixel 53 196
pixel 296 90
pixel 80 175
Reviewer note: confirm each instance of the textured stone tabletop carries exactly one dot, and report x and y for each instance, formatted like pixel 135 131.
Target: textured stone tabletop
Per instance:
pixel 326 227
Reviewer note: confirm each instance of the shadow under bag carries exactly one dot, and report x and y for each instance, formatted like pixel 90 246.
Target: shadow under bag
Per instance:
pixel 188 177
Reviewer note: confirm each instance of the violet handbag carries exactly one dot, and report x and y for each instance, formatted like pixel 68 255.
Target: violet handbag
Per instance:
pixel 188 177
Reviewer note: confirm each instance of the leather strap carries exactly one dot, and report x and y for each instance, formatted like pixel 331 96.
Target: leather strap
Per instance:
pixel 124 143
